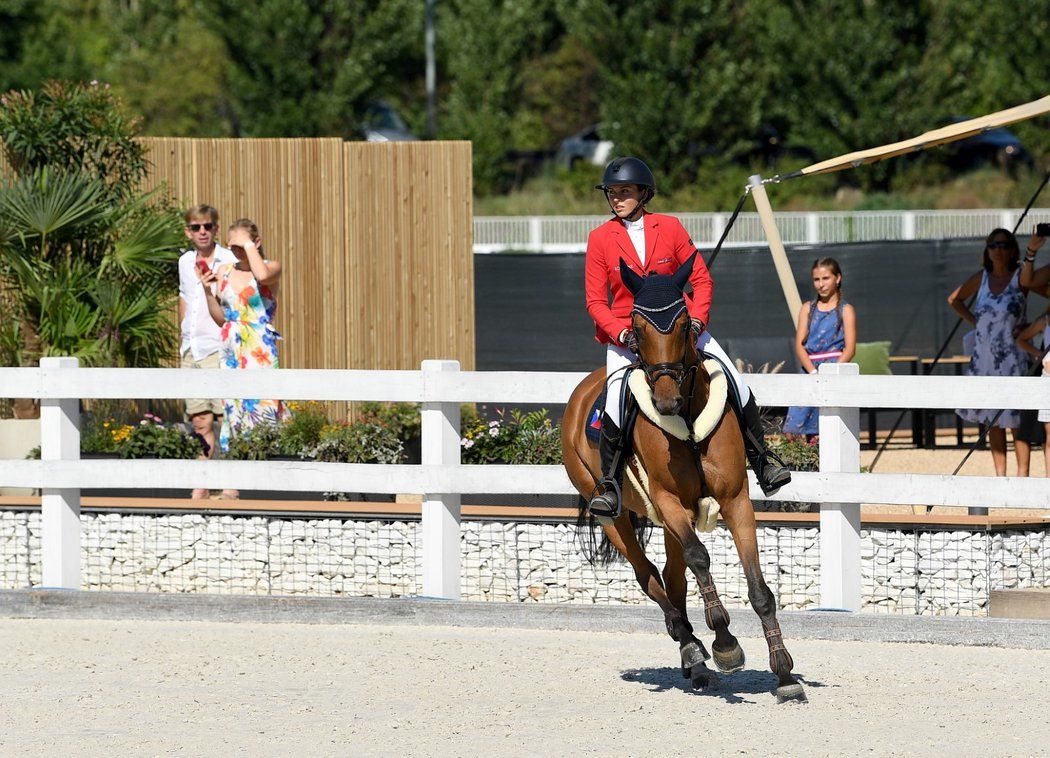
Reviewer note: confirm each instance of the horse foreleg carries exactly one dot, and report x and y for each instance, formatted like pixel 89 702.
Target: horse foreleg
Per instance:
pixel 692 652
pixel 728 654
pixel 740 518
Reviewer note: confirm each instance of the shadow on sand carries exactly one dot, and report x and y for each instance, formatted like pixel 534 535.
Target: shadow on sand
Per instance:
pixel 733 688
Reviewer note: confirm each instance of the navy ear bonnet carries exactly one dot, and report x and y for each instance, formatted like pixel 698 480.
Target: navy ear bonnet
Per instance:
pixel 659 301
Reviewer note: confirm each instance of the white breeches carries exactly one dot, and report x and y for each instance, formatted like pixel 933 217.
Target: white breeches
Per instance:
pixel 617 358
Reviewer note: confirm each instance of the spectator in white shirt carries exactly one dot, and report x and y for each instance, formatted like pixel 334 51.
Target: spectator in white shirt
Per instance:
pixel 200 334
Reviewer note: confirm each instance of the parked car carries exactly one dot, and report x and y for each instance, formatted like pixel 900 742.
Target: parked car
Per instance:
pixel 383 124
pixel 999 147
pixel 586 146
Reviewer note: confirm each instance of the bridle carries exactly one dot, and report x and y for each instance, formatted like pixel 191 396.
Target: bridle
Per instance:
pixel 679 371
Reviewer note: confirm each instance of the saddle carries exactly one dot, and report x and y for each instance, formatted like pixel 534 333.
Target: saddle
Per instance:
pixel 637 396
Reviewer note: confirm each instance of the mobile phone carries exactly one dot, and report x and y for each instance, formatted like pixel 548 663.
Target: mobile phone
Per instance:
pixel 1042 230
pixel 203 266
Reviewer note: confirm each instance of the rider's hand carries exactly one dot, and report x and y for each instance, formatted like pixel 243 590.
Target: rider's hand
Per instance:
pixel 697 326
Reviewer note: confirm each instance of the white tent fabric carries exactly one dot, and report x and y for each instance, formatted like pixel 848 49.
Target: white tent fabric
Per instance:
pixel 945 134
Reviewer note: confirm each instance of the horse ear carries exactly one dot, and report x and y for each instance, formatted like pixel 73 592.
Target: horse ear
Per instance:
pixel 681 276
pixel 631 280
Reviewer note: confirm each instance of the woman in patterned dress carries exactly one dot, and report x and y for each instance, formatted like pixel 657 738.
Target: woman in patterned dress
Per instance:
pixel 243 301
pixel 998 315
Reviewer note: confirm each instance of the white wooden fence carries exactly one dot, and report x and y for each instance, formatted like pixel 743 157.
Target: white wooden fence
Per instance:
pixel 839 486
pixel 568 234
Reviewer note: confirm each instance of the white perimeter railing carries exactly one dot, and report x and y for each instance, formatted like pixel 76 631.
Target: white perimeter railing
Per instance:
pixel 441 387
pixel 568 234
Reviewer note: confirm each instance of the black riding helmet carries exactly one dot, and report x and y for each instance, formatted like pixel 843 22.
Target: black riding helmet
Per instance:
pixel 628 171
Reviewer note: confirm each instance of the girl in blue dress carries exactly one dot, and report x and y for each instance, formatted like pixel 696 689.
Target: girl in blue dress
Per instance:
pixel 826 332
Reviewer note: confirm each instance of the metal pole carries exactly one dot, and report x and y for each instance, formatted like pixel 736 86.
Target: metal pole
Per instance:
pixel 776 247
pixel 431 74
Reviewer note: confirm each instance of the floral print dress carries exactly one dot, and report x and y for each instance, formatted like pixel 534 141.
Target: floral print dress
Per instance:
pixel 249 341
pixel 995 353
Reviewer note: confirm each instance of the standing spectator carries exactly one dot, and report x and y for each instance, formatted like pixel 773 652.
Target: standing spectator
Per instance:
pixel 200 335
pixel 244 303
pixel 1024 341
pixel 997 317
pixel 826 333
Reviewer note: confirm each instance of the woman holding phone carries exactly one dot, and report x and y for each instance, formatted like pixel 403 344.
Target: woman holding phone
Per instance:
pixel 1036 280
pixel 242 298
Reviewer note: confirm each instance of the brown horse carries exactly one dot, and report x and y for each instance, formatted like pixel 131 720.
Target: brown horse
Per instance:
pixel 678 475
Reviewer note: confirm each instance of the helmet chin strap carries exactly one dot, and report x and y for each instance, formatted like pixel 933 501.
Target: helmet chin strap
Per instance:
pixel 637 212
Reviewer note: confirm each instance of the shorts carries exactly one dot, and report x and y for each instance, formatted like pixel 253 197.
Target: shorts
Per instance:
pixel 194 407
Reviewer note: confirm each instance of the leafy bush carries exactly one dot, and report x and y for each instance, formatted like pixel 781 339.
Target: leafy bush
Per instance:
pixel 261 442
pixel 797 453
pixel 303 429
pixel 403 419
pixel 152 438
pixel 359 442
pixel 103 436
pixel 521 438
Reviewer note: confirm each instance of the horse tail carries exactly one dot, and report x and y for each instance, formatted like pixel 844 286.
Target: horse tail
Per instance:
pixel 602 552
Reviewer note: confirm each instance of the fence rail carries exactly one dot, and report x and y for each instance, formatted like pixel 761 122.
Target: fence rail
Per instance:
pixel 839 486
pixel 568 234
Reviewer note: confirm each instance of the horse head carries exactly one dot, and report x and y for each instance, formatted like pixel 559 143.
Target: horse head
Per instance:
pixel 661 325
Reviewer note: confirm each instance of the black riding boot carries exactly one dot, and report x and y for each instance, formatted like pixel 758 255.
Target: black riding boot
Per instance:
pixel 769 469
pixel 604 505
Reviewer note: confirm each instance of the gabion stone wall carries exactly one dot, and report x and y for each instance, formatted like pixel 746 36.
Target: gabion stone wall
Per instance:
pixel 925 571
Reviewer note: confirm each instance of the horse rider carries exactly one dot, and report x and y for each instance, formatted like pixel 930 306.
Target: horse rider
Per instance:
pixel 652 243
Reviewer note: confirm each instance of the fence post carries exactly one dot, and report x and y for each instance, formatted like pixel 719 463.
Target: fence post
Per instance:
pixel 908 225
pixel 840 522
pixel 718 225
pixel 535 234
pixel 441 512
pixel 60 508
pixel 813 228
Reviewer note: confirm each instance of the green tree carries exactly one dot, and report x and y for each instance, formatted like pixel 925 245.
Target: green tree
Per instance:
pixel 681 81
pixel 311 67
pixel 86 260
pixel 487 49
pixel 987 56
pixel 848 74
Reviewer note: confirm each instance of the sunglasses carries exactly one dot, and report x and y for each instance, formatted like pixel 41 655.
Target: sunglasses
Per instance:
pixel 1000 245
pixel 198 227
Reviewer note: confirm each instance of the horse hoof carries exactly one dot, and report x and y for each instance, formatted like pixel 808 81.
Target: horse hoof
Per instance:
pixel 693 653
pixel 729 661
pixel 700 676
pixel 788 692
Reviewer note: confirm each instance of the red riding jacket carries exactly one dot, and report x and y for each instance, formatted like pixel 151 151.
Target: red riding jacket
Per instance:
pixel 667 246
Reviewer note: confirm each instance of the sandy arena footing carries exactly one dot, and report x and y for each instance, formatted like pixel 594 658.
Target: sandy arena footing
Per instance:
pixel 439 678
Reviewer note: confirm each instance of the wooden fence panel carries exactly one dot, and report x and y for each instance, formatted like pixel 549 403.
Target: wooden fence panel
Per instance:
pixel 376 240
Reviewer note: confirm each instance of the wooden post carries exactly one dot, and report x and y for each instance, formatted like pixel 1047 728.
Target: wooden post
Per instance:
pixel 441 512
pixel 840 522
pixel 776 247
pixel 60 508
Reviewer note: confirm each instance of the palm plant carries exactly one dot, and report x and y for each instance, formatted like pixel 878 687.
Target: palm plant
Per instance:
pixel 86 258
pixel 87 274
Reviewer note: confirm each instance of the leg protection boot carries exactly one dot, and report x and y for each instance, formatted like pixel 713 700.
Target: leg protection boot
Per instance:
pixel 769 469
pixel 604 504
